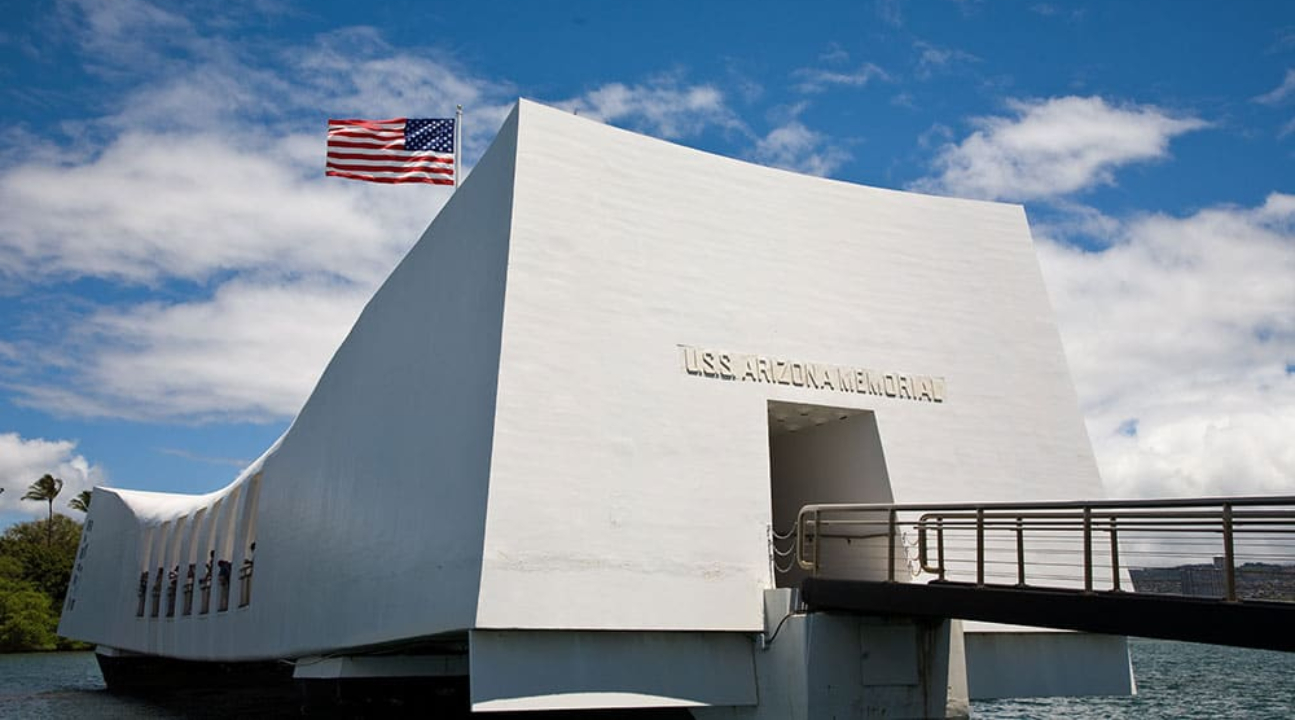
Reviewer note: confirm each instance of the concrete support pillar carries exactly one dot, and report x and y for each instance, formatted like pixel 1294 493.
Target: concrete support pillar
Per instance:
pixel 837 665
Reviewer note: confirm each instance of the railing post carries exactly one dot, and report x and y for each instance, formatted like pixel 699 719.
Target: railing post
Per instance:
pixel 1229 557
pixel 890 564
pixel 1115 557
pixel 800 538
pixel 1020 551
pixel 939 543
pixel 1088 549
pixel 818 540
pixel 980 546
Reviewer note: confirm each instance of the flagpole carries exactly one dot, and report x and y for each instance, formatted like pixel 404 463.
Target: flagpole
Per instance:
pixel 458 144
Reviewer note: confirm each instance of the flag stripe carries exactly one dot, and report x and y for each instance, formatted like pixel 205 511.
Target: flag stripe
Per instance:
pixel 394 145
pixel 389 168
pixel 389 135
pixel 369 123
pixel 392 180
pixel 378 156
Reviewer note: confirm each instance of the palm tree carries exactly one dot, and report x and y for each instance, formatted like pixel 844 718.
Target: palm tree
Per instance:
pixel 47 488
pixel 81 501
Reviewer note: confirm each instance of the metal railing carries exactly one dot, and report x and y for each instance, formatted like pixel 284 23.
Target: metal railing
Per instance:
pixel 1231 548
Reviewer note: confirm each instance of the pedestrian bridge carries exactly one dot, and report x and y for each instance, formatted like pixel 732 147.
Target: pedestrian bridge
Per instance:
pixel 1211 570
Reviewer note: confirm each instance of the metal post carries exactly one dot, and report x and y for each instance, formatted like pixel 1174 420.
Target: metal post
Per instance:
pixel 1229 557
pixel 818 540
pixel 980 546
pixel 1020 551
pixel 1088 549
pixel 1115 557
pixel 890 565
pixel 458 142
pixel 939 543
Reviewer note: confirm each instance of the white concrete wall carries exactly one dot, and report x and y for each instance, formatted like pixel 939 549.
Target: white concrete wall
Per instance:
pixel 508 438
pixel 370 515
pixel 615 471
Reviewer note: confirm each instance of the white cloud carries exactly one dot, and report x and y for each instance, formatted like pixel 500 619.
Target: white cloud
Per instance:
pixel 212 165
pixel 816 80
pixel 208 168
pixel 1181 336
pixel 251 352
pixel 23 461
pixel 792 146
pixel 154 206
pixel 1053 147
pixel 662 107
pixel 1281 92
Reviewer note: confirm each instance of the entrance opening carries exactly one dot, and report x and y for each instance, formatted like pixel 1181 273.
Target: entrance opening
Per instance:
pixel 822 454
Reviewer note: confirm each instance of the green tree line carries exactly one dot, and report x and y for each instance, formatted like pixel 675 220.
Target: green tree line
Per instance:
pixel 36 560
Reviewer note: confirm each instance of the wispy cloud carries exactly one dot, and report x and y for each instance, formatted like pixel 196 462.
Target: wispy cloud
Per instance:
pixel 1051 148
pixel 834 54
pixel 1053 10
pixel 890 12
pixel 1181 327
pixel 664 106
pixel 932 59
pixel 207 459
pixel 1280 93
pixel 816 80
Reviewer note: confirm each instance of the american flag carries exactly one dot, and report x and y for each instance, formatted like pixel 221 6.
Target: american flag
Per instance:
pixel 403 150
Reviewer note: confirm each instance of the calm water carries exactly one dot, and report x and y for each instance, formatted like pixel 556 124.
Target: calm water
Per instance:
pixel 1175 680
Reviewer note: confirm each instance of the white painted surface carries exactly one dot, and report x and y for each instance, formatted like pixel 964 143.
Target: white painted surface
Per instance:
pixel 521 670
pixel 507 439
pixel 624 247
pixel 371 507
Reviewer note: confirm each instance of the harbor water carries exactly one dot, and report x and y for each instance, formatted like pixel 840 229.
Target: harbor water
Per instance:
pixel 1175 680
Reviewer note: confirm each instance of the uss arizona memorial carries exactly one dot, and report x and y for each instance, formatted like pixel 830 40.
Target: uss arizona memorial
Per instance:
pixel 553 451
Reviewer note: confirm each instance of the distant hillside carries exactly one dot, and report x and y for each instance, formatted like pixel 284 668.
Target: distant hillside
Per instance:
pixel 1255 581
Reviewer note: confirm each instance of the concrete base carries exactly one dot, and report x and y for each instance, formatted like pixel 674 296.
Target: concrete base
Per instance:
pixel 524 670
pixel 829 665
pixel 133 673
pixel 958 704
pixel 1047 664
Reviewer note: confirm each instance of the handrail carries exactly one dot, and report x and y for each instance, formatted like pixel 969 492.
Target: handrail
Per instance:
pixel 1260 500
pixel 1246 545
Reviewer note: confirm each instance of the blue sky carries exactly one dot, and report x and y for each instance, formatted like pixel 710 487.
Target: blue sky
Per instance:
pixel 175 270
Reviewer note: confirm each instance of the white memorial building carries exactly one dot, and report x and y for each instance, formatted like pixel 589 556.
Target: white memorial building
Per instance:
pixel 552 450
